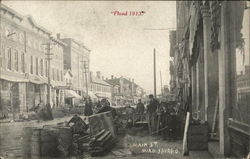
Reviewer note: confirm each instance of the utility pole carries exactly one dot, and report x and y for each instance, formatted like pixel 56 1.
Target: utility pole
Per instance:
pixel 154 74
pixel 85 67
pixel 48 48
pixel 161 84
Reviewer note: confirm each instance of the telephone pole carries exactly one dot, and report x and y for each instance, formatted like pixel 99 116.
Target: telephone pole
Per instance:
pixel 85 67
pixel 154 74
pixel 161 84
pixel 48 48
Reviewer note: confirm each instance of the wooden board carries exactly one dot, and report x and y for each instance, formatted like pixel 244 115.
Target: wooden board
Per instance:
pixel 101 121
pixel 185 148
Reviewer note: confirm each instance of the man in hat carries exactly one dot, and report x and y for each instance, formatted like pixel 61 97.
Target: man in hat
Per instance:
pixel 151 110
pixel 140 107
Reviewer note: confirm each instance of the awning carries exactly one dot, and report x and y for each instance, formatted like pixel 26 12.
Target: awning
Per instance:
pixel 12 79
pixel 92 95
pixel 71 94
pixel 101 95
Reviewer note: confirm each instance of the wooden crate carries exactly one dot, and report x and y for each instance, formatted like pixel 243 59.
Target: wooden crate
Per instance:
pixel 197 137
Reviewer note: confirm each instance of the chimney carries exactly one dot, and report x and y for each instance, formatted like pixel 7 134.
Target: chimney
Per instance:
pixel 112 76
pixel 58 35
pixel 98 74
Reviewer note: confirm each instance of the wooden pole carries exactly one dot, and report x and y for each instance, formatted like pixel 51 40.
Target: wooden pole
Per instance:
pixel 161 84
pixel 185 147
pixel 154 74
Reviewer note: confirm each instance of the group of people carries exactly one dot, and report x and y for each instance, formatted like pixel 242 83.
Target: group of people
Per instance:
pixel 99 107
pixel 163 116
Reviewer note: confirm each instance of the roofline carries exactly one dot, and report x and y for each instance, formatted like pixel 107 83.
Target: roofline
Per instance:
pixel 37 25
pixel 59 41
pixel 12 11
pixel 21 17
pixel 102 84
pixel 79 43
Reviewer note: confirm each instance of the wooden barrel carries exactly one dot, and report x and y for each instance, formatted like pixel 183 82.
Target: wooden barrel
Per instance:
pixel 35 149
pixel 64 138
pixel 48 142
pixel 26 140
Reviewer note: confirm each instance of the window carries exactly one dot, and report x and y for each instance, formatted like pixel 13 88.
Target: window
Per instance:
pixel 22 63
pixel 31 64
pixel 2 56
pixel 53 73
pixel 37 66
pixel 21 38
pixel 61 75
pixel 57 73
pixel 16 60
pixel 41 66
pixel 9 58
pixel 46 68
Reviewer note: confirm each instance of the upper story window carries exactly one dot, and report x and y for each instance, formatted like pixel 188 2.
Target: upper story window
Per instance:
pixel 7 31
pixel 22 62
pixel 53 74
pixel 21 38
pixel 57 74
pixel 2 56
pixel 31 64
pixel 16 60
pixel 9 60
pixel 41 67
pixel 46 68
pixel 37 67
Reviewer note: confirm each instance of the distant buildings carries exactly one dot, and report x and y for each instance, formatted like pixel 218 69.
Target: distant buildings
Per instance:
pixel 125 91
pixel 76 59
pixel 99 88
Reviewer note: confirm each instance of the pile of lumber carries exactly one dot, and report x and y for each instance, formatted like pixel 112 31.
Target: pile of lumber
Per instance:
pixel 101 142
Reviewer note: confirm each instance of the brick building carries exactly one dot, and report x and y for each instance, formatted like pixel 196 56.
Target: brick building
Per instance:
pixel 23 63
pixel 76 59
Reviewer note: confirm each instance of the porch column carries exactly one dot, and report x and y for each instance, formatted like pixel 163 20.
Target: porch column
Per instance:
pixel 210 68
pixel 227 72
pixel 200 104
pixel 194 91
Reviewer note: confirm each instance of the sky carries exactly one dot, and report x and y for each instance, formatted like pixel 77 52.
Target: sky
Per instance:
pixel 120 45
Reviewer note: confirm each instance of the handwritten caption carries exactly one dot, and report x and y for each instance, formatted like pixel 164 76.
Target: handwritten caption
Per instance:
pixel 154 147
pixel 128 13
